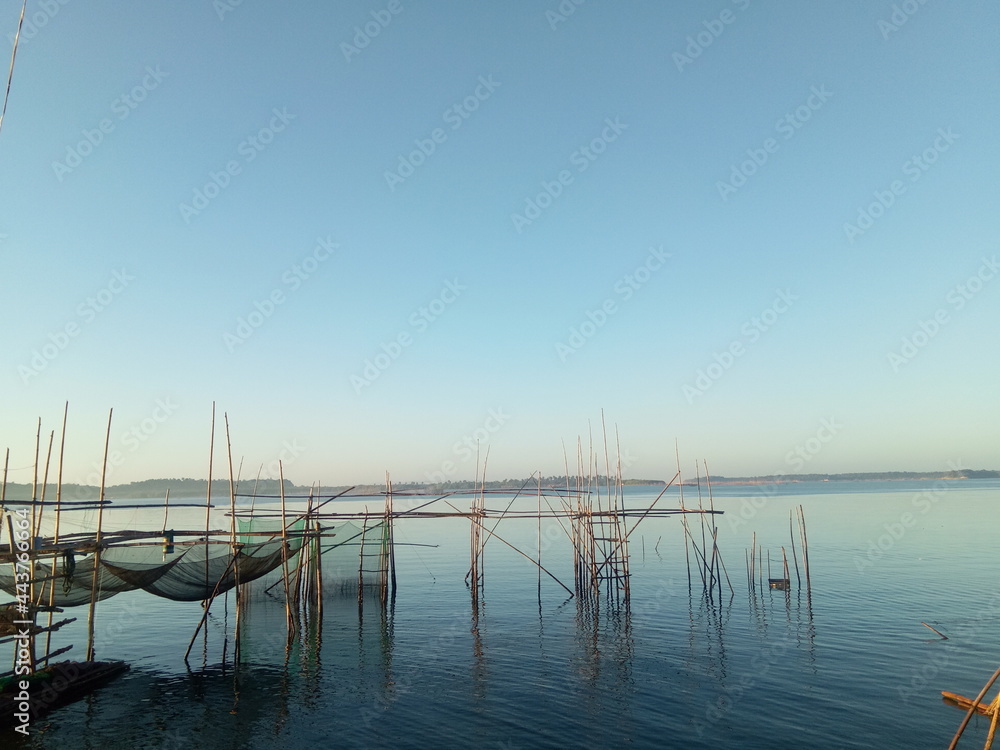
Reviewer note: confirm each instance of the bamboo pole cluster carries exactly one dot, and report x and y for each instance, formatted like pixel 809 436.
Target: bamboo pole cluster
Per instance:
pixel 757 565
pixel 708 556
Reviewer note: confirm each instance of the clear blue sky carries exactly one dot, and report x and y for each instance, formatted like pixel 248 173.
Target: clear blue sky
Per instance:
pixel 678 183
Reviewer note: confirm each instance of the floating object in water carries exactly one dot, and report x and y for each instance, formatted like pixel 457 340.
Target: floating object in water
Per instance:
pixel 781 584
pixel 960 701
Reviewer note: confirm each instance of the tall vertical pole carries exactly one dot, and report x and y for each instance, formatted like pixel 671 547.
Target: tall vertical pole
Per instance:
pixel 97 544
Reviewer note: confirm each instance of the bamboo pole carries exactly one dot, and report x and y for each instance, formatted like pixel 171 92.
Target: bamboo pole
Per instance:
pixel 3 485
pixel 746 559
pixel 538 533
pixel 390 514
pixel 285 551
pixel 680 489
pixel 55 533
pixel 234 547
pixel 34 478
pixel 208 496
pixel 97 545
pixel 37 530
pixel 805 547
pixel 477 522
pixel 791 534
pixel 972 710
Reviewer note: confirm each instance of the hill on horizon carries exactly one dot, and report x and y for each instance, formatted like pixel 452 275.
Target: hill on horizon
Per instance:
pixel 191 488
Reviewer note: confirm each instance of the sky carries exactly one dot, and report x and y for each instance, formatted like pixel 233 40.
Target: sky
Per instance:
pixel 395 236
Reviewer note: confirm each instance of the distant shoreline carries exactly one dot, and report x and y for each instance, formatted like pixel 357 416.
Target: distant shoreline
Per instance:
pixel 187 488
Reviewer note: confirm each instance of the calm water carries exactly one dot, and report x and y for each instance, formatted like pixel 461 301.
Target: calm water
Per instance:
pixel 849 667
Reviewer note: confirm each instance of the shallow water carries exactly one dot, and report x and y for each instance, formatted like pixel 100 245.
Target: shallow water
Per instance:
pixel 847 666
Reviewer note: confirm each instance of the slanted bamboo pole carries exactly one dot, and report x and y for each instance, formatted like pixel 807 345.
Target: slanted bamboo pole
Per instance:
pixel 97 545
pixel 37 530
pixel 478 522
pixel 55 533
pixel 3 485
